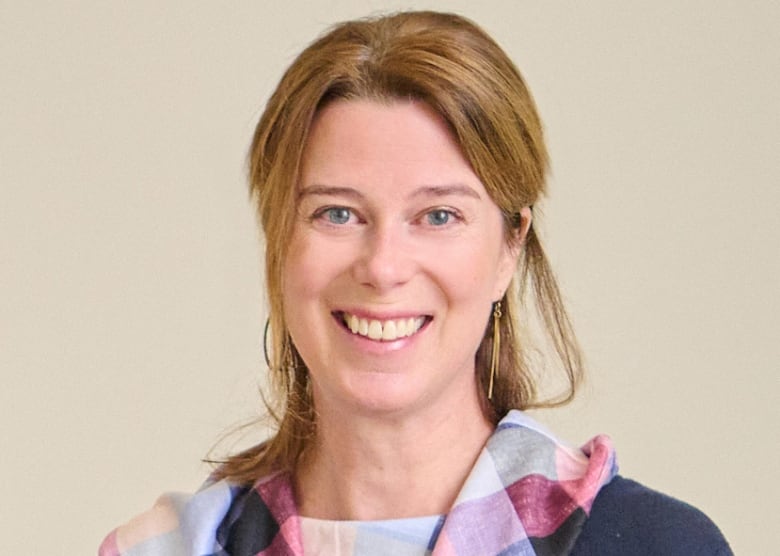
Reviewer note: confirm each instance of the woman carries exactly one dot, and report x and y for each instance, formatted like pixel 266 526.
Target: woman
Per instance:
pixel 395 170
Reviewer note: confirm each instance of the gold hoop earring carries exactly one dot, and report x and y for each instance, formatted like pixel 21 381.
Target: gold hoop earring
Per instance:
pixel 288 362
pixel 495 354
pixel 265 342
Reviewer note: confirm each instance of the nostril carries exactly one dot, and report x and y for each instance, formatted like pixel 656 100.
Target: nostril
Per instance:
pixel 385 262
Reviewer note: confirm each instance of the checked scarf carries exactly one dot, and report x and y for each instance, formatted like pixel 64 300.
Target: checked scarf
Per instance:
pixel 528 494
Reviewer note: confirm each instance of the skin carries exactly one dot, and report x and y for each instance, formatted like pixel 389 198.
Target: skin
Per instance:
pixel 392 223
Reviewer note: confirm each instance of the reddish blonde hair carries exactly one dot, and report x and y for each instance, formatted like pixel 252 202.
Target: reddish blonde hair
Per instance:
pixel 451 64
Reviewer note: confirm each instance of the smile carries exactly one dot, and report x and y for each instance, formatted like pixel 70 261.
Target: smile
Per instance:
pixel 384 330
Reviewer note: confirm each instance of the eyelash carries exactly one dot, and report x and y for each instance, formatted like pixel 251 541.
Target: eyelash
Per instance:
pixel 321 214
pixel 451 214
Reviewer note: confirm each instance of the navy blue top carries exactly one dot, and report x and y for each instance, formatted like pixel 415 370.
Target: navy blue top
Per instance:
pixel 630 519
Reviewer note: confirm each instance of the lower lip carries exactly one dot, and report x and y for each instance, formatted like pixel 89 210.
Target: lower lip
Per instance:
pixel 381 346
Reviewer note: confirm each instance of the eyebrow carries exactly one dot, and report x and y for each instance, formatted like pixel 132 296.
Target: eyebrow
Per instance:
pixel 330 190
pixel 443 190
pixel 424 191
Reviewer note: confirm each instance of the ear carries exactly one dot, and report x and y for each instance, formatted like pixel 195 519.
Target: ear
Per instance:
pixel 511 252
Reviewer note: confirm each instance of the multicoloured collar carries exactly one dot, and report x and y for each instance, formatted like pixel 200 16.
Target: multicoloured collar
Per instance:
pixel 528 493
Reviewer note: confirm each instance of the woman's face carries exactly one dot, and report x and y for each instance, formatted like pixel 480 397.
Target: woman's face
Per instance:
pixel 396 256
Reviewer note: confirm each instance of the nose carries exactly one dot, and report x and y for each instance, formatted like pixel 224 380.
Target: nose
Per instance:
pixel 386 260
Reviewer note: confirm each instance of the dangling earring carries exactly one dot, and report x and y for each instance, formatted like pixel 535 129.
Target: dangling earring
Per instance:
pixel 495 355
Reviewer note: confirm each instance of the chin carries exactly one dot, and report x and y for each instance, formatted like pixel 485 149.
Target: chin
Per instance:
pixel 384 398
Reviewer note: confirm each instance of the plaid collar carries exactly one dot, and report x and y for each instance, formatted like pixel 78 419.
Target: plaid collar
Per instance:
pixel 527 494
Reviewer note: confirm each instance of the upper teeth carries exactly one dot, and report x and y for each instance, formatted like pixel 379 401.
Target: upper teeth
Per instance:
pixel 383 330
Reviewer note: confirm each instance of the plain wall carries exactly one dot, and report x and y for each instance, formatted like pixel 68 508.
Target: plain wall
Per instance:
pixel 131 304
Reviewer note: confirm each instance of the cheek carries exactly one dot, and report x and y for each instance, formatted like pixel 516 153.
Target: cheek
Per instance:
pixel 309 269
pixel 475 270
pixel 297 274
pixel 299 284
pixel 302 286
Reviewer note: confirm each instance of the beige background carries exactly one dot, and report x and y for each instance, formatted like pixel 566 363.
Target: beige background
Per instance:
pixel 131 302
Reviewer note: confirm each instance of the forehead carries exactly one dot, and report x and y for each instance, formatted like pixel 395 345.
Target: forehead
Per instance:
pixel 350 139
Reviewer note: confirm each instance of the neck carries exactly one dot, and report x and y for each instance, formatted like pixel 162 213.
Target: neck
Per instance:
pixel 378 467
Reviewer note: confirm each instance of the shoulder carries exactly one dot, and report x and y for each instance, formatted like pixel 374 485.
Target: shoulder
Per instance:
pixel 628 518
pixel 176 524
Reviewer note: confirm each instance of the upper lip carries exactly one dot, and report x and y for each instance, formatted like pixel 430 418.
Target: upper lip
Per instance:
pixel 384 315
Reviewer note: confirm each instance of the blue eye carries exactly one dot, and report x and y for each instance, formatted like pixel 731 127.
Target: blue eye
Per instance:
pixel 337 215
pixel 438 217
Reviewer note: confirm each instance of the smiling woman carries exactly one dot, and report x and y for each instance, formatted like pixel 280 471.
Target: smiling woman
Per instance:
pixel 394 242
pixel 395 168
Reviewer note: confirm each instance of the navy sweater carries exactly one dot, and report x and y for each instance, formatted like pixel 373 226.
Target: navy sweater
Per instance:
pixel 628 519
